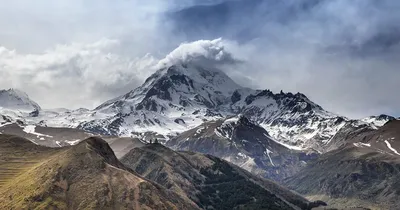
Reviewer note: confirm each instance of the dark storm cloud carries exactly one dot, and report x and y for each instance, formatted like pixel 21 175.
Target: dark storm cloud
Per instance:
pixel 343 54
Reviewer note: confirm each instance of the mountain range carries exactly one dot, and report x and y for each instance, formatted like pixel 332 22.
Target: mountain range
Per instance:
pixel 191 106
pixel 181 97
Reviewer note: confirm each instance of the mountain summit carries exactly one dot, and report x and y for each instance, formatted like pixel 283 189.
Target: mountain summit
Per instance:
pixel 15 99
pixel 182 84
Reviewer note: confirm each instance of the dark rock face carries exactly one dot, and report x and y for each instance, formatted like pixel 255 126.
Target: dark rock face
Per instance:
pixel 179 121
pixel 161 89
pixel 95 127
pixel 235 97
pixel 150 105
pixel 34 113
pixel 385 117
pixel 6 119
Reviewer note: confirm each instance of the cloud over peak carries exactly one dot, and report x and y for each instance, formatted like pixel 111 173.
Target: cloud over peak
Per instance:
pixel 201 52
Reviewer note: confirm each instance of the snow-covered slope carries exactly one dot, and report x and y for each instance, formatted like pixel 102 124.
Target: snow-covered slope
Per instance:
pixel 172 100
pixel 17 100
pixel 16 106
pixel 291 118
pixel 378 121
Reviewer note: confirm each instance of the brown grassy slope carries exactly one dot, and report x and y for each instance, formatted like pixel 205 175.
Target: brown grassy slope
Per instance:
pixel 85 176
pixel 351 177
pixel 17 155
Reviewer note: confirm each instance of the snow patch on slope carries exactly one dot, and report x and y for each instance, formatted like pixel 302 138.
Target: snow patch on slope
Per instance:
pixel 270 160
pixel 285 145
pixel 31 130
pixel 74 142
pixel 360 144
pixel 391 148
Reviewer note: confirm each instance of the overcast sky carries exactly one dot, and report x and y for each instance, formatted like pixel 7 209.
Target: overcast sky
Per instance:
pixel 343 54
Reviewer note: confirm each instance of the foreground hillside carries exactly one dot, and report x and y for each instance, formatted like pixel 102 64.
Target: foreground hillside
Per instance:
pixel 85 176
pixel 88 175
pixel 210 182
pixel 364 172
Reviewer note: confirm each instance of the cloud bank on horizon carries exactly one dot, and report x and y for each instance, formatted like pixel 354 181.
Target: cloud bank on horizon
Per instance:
pixel 343 55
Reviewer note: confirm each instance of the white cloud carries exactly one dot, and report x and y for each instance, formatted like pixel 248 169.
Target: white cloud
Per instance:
pixel 73 75
pixel 202 52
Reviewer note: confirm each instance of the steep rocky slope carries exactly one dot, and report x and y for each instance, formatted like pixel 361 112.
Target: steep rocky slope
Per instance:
pixel 384 139
pixel 245 144
pixel 209 181
pixel 363 172
pixel 85 176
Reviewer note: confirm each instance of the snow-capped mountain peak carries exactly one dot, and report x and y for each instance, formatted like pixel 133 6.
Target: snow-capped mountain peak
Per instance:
pixel 379 120
pixel 182 84
pixel 15 99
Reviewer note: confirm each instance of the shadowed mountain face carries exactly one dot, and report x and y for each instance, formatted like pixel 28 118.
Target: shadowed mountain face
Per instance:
pixel 210 182
pixel 363 172
pixel 85 176
pixel 245 144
